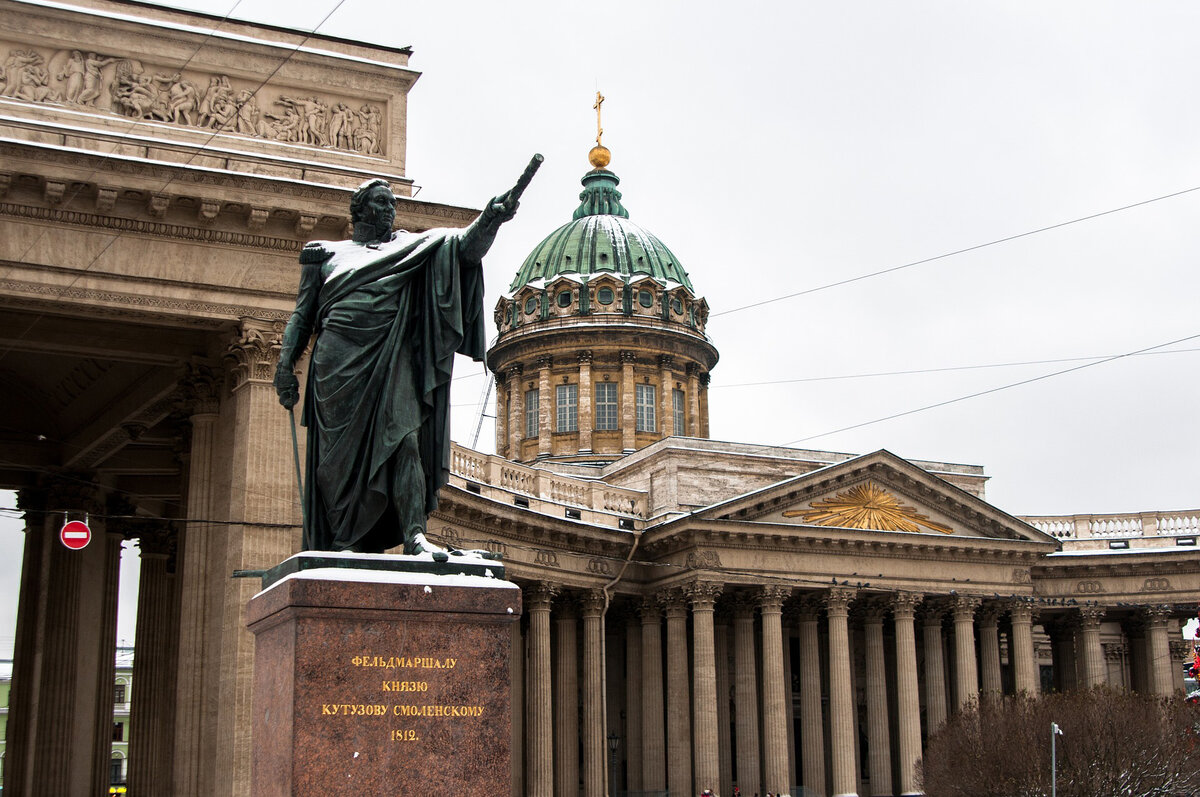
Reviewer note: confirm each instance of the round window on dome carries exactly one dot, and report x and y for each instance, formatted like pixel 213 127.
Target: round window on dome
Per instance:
pixel 677 307
pixel 564 299
pixel 531 305
pixel 645 298
pixel 605 296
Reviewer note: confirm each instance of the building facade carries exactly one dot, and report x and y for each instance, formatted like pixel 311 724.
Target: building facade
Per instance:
pixel 699 614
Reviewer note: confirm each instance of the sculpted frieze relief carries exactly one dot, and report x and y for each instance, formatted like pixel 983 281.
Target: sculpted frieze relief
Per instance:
pixel 132 89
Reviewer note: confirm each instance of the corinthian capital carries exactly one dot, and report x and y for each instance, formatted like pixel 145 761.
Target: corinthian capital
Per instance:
pixel 254 353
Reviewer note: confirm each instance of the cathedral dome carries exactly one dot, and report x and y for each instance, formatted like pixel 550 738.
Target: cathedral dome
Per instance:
pixel 601 239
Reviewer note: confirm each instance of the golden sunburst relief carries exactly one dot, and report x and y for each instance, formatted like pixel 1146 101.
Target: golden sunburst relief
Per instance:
pixel 866 506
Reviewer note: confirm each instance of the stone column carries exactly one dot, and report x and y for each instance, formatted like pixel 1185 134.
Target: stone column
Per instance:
pixel 879 744
pixel 633 703
pixel 812 724
pixel 595 749
pixel 679 726
pixel 775 694
pixel 1062 643
pixel 666 380
pixel 704 377
pixel 966 677
pixel 1181 650
pixel 654 757
pixel 152 700
pixel 502 404
pixel 724 737
pixel 745 696
pixel 1093 654
pixel 628 401
pixel 693 399
pixel 908 700
pixel 546 415
pixel 841 701
pixel 60 717
pixel 540 749
pixel 566 698
pixel 587 419
pixel 935 667
pixel 516 674
pixel 1025 671
pixel 789 633
pixel 989 651
pixel 201 587
pixel 259 490
pixel 1158 650
pixel 706 758
pixel 516 412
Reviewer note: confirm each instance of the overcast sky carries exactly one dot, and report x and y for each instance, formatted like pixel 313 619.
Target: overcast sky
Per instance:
pixel 780 147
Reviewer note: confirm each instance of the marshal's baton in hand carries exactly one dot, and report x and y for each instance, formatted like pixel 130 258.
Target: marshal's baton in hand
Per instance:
pixel 523 181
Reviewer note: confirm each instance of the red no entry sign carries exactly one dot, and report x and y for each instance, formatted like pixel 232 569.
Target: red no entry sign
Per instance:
pixel 75 534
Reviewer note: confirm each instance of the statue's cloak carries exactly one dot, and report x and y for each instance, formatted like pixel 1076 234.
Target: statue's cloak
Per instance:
pixel 388 322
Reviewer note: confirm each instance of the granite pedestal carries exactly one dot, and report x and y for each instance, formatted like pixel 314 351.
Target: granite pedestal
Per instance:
pixel 372 682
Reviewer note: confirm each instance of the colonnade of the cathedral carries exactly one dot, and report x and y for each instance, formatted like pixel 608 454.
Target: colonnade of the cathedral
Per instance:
pixel 767 687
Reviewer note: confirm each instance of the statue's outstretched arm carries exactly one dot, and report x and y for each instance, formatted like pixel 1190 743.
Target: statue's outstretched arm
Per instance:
pixel 478 238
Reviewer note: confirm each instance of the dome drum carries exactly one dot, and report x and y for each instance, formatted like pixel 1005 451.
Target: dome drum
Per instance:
pixel 601 348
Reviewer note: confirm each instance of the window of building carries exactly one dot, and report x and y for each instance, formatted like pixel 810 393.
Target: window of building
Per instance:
pixel 119 694
pixel 531 305
pixel 606 406
pixel 118 732
pixel 605 295
pixel 646 420
pixel 531 413
pixel 677 409
pixel 645 298
pixel 114 771
pixel 564 299
pixel 566 401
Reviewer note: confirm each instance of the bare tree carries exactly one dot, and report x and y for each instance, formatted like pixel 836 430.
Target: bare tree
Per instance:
pixel 1114 743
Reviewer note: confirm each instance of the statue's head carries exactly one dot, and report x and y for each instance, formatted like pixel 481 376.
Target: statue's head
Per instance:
pixel 374 204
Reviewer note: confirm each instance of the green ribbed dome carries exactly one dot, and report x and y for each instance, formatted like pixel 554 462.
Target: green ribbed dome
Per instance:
pixel 601 239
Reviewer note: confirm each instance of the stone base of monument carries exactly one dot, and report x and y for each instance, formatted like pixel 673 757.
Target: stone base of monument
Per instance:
pixel 381 681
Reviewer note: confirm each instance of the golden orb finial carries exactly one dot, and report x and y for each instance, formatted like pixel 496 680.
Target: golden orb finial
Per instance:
pixel 599 156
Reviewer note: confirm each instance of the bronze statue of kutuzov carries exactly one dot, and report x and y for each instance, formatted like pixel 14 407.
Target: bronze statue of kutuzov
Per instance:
pixel 389 311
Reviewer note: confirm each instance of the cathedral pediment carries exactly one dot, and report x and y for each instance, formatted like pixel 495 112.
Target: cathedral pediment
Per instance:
pixel 877 492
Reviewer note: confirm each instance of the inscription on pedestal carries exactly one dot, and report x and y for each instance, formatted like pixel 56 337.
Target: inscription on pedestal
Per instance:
pixel 406 694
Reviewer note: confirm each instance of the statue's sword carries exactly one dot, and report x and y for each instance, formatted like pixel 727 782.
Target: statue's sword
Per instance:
pixel 296 459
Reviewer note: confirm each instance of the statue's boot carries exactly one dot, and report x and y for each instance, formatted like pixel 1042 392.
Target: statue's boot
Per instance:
pixel 416 543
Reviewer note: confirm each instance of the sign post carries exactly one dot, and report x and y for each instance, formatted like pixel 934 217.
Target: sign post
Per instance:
pixel 75 534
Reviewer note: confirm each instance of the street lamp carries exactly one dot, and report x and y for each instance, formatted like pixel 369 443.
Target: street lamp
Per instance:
pixel 1054 731
pixel 614 742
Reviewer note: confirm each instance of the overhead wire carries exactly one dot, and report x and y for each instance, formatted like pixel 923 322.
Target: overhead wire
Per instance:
pixel 944 255
pixel 80 273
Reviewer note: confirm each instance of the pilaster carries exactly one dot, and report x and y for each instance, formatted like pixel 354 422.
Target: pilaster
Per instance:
pixel 666 382
pixel 587 414
pixel 628 405
pixel 634 686
pixel 516 412
pixel 546 415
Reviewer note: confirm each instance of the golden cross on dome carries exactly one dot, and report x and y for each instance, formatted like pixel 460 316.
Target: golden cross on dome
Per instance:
pixel 599 129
